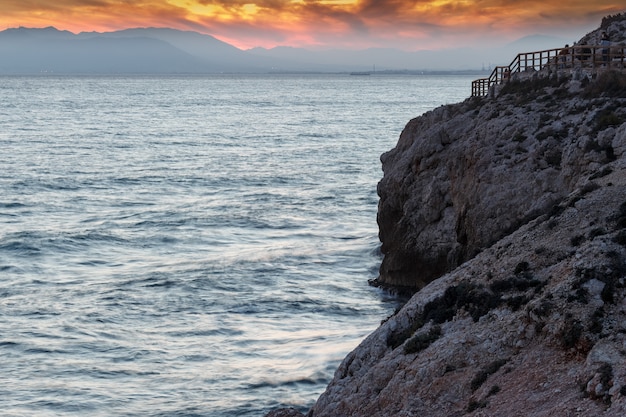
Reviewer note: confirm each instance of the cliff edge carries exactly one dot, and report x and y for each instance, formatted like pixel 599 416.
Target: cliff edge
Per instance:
pixel 507 215
pixel 462 177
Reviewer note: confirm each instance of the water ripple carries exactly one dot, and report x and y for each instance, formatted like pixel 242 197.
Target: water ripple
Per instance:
pixel 190 246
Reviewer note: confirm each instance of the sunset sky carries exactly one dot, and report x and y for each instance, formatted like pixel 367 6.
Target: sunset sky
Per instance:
pixel 404 24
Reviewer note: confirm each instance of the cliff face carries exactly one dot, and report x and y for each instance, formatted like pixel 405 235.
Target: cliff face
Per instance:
pixel 461 177
pixel 535 325
pixel 509 216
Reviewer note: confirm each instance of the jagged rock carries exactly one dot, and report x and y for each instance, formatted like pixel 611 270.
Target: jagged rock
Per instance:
pixel 509 216
pixel 463 176
pixel 535 325
pixel 285 412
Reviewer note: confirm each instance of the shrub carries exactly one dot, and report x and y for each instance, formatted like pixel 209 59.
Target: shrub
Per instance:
pixel 544 309
pixel 514 283
pixel 605 120
pixel 609 83
pixel 474 299
pixel 581 295
pixel 577 240
pixel 444 308
pixel 607 20
pixel 602 173
pixel 516 302
pixel 474 103
pixel 596 321
pixel 553 158
pixel 522 281
pixel 421 341
pixel 441 309
pixel 620 217
pixel 620 238
pixel 521 267
pixel 571 333
pixel 484 374
pixel 397 338
pixel 519 137
pixel 475 405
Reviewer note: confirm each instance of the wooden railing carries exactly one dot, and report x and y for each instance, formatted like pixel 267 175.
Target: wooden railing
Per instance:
pixel 579 56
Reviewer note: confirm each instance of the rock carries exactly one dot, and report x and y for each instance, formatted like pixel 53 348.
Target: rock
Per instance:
pixel 520 328
pixel 506 217
pixel 463 176
pixel 285 412
pixel 454 186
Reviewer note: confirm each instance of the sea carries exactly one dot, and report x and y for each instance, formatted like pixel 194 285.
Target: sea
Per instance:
pixel 192 245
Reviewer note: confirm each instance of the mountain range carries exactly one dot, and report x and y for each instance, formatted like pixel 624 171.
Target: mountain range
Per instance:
pixel 170 51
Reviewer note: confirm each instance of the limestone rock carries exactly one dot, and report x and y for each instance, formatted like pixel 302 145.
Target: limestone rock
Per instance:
pixel 464 176
pixel 508 214
pixel 535 325
pixel 285 412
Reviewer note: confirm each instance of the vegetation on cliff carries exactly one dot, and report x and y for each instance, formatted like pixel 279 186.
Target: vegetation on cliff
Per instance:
pixel 463 176
pixel 507 217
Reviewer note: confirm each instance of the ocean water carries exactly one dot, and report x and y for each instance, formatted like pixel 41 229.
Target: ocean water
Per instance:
pixel 191 246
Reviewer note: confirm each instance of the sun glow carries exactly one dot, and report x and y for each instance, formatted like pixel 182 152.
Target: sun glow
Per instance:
pixel 330 23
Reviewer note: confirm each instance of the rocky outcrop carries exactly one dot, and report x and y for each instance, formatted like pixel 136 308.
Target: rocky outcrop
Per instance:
pixel 285 412
pixel 535 325
pixel 464 176
pixel 460 178
pixel 508 214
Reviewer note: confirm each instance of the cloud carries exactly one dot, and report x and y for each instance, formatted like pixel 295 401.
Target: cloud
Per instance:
pixel 410 24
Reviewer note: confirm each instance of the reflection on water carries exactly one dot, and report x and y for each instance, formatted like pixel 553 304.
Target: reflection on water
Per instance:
pixel 191 245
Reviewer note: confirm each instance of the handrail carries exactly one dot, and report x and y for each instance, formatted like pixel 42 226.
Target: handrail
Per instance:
pixel 577 56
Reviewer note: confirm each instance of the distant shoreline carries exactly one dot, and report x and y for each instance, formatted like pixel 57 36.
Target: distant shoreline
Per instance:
pixel 197 74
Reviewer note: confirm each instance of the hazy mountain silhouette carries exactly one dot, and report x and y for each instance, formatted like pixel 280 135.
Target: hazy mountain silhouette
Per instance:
pixel 49 50
pixel 537 43
pixel 217 56
pixel 140 51
pixel 170 51
pixel 394 59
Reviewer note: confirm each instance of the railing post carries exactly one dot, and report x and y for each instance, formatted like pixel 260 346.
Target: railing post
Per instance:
pixel 575 56
pixel 593 57
pixel 525 62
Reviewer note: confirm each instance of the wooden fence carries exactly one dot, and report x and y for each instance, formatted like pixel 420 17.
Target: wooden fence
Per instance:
pixel 578 56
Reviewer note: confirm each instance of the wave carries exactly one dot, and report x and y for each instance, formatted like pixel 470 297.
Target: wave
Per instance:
pixel 182 256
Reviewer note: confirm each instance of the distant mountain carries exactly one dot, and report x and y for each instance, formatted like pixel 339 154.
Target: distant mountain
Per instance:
pixel 170 51
pixel 537 43
pixel 21 34
pixel 394 59
pixel 50 50
pixel 216 55
pixel 139 51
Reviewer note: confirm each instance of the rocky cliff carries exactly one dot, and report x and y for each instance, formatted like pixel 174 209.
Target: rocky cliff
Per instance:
pixel 464 176
pixel 508 214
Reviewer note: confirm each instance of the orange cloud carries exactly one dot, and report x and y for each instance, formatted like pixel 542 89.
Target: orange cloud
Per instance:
pixel 408 24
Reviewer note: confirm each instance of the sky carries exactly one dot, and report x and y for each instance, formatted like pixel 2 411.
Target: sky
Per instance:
pixel 325 24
